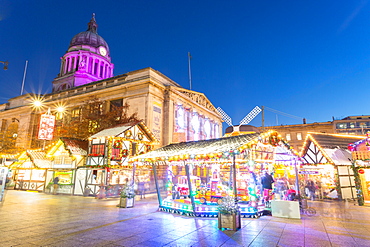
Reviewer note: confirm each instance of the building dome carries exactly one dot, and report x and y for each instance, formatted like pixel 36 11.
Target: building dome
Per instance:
pixel 86 60
pixel 89 37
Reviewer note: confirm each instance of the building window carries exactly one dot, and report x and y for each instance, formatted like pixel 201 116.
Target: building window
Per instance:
pixel 63 160
pixel 116 103
pixel 352 125
pixel 75 112
pixel 299 136
pixel 3 124
pixel 288 137
pixel 341 126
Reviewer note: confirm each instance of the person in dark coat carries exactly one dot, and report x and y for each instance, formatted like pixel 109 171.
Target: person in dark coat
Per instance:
pixel 267 180
pixel 56 185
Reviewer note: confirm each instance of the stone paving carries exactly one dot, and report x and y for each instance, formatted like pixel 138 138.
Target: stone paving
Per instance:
pixel 37 219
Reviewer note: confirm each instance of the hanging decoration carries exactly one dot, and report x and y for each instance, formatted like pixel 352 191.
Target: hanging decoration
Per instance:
pixel 128 133
pixel 140 136
pixel 274 139
pixel 352 146
pixel 124 153
pixel 117 144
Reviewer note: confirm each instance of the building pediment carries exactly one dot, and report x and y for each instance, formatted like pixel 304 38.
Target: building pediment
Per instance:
pixel 199 98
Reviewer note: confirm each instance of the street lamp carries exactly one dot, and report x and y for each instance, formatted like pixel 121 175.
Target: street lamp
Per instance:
pixel 5 64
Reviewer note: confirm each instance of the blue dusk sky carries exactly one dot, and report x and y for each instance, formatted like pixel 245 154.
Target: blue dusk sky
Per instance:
pixel 306 59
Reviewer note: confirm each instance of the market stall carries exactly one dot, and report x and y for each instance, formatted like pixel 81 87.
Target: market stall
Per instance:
pixel 107 161
pixel 192 178
pixel 29 171
pixel 65 155
pixel 326 166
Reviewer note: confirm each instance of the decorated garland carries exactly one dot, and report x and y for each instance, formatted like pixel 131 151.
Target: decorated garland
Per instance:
pixel 274 139
pixel 117 144
pixel 360 194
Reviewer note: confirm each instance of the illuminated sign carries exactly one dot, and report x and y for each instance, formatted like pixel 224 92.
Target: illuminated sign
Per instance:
pixel 46 129
pixel 309 172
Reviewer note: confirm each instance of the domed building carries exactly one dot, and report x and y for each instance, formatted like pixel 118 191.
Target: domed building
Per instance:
pixel 87 60
pixel 171 112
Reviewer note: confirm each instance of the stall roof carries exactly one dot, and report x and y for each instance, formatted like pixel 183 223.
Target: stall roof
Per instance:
pixel 115 131
pixel 334 140
pixel 339 156
pixel 224 144
pixel 320 148
pixel 38 159
pixel 118 130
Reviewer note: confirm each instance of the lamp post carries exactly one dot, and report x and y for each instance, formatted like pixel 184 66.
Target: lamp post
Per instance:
pixel 5 64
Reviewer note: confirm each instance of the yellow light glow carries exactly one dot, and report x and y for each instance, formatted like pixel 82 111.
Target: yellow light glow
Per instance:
pixel 37 102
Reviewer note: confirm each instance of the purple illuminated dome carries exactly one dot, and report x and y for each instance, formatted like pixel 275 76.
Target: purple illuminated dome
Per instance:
pixel 87 60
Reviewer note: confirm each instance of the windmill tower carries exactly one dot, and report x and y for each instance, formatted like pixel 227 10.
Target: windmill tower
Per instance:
pixel 238 129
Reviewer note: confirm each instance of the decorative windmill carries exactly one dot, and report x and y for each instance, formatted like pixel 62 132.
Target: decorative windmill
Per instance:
pixel 247 119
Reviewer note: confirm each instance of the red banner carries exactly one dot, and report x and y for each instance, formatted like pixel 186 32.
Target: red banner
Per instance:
pixel 46 129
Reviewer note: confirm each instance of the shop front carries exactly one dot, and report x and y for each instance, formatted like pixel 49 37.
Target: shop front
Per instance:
pixel 326 171
pixel 30 170
pixel 192 178
pixel 107 160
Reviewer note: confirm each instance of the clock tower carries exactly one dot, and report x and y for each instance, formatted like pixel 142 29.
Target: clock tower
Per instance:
pixel 86 60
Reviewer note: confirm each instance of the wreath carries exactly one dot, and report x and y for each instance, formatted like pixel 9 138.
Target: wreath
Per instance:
pixel 128 134
pixel 274 139
pixel 140 136
pixel 117 144
pixel 124 152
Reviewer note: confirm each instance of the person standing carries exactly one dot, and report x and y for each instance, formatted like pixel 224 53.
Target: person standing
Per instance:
pixel 102 192
pixel 311 189
pixel 56 185
pixel 267 180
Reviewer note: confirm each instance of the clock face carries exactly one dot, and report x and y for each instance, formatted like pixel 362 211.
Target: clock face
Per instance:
pixel 102 51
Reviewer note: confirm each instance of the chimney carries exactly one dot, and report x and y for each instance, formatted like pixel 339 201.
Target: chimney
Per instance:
pixel 304 121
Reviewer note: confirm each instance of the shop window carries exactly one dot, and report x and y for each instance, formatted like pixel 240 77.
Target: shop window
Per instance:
pixel 288 137
pixel 115 153
pixel 299 136
pixel 97 149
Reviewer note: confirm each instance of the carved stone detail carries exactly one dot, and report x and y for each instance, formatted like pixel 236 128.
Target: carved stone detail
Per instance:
pixel 200 99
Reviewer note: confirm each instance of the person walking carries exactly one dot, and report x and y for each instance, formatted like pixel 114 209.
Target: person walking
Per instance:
pixel 56 185
pixel 141 189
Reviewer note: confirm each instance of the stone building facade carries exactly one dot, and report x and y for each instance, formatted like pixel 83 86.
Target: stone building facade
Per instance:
pixel 170 111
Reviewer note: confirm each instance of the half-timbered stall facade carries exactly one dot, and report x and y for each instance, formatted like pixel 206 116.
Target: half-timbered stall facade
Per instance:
pixel 327 163
pixel 107 161
pixel 193 177
pixel 29 171
pixel 65 156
